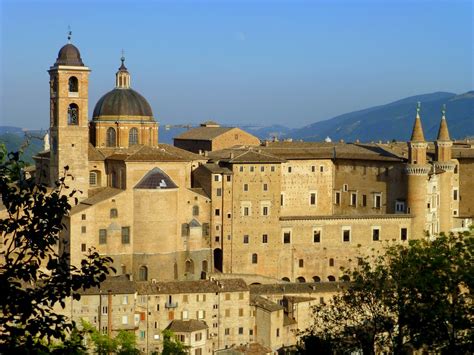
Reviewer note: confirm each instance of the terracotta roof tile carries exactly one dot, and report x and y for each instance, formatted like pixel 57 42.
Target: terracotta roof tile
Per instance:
pixel 187 326
pixel 204 133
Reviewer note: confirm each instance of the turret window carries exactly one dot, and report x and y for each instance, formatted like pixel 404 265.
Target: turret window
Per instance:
pixel 73 114
pixel 73 84
pixel 111 137
pixel 133 137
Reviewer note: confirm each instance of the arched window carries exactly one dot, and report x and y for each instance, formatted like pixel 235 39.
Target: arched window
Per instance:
pixel 113 213
pixel 133 136
pixel 111 137
pixel 204 265
pixel 195 210
pixel 143 273
pixel 73 84
pixel 254 258
pixel 316 279
pixel 73 114
pixel 301 279
pixel 93 178
pixel 331 278
pixel 189 266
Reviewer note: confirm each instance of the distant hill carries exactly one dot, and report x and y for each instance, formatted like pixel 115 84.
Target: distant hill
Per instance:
pixel 16 138
pixel 395 120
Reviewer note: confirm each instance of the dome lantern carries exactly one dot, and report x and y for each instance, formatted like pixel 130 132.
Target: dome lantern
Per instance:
pixel 122 77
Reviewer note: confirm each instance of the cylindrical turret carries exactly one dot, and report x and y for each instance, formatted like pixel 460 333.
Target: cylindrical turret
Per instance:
pixel 417 171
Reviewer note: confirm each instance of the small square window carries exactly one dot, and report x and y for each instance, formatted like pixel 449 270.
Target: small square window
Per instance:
pixel 83 217
pixel 403 233
pixel 317 236
pixel 217 212
pixel 216 178
pixel 229 178
pixel 217 238
pixel 375 234
pixel 346 235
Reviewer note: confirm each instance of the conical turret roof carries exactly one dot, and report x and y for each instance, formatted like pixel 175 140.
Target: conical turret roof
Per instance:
pixel 417 133
pixel 443 133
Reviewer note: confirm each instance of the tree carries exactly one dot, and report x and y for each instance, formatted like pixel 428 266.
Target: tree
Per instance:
pixel 171 345
pixel 123 344
pixel 35 275
pixel 416 296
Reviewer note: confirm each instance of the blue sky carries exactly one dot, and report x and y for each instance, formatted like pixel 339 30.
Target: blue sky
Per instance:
pixel 259 62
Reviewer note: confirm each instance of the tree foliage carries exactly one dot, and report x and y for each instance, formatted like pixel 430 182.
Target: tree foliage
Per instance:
pixel 124 343
pixel 172 345
pixel 416 296
pixel 35 275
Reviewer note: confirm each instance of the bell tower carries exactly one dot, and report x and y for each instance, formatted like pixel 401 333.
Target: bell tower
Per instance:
pixel 69 82
pixel 417 171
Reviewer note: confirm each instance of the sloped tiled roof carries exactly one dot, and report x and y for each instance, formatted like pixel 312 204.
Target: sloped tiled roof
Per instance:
pixel 100 195
pixel 198 286
pixel 262 302
pixel 296 287
pixel 162 152
pixel 94 154
pixel 204 133
pixel 187 326
pixel 245 155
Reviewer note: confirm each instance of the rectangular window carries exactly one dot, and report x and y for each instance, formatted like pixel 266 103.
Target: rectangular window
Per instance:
pixel 287 237
pixel 289 169
pixel 346 235
pixel 282 200
pixel 313 169
pixel 83 217
pixel 217 212
pixel 265 187
pixel 246 187
pixel 241 168
pixel 102 236
pixel 198 337
pixel 241 312
pixel 377 200
pixel 125 300
pixel 455 194
pixel 226 331
pixel 312 198
pixel 241 330
pixel 252 169
pixel 403 233
pixel 265 238
pixel 83 247
pixel 345 187
pixel 301 263
pixel 262 168
pixel 316 236
pixel 337 198
pixel 265 210
pixel 185 298
pixel 83 229
pixel 246 239
pixel 321 169
pixel 364 200
pixel 375 234
pixel 353 199
pixel 227 312
pixel 219 192
pixel 142 334
pixel 246 211
pixel 124 319
pixel 216 177
pixel 278 332
pixel 399 206
pixel 229 178
pixel 125 235
pixel 272 169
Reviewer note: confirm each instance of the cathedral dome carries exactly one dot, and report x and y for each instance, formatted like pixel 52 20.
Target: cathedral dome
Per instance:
pixel 69 55
pixel 121 103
